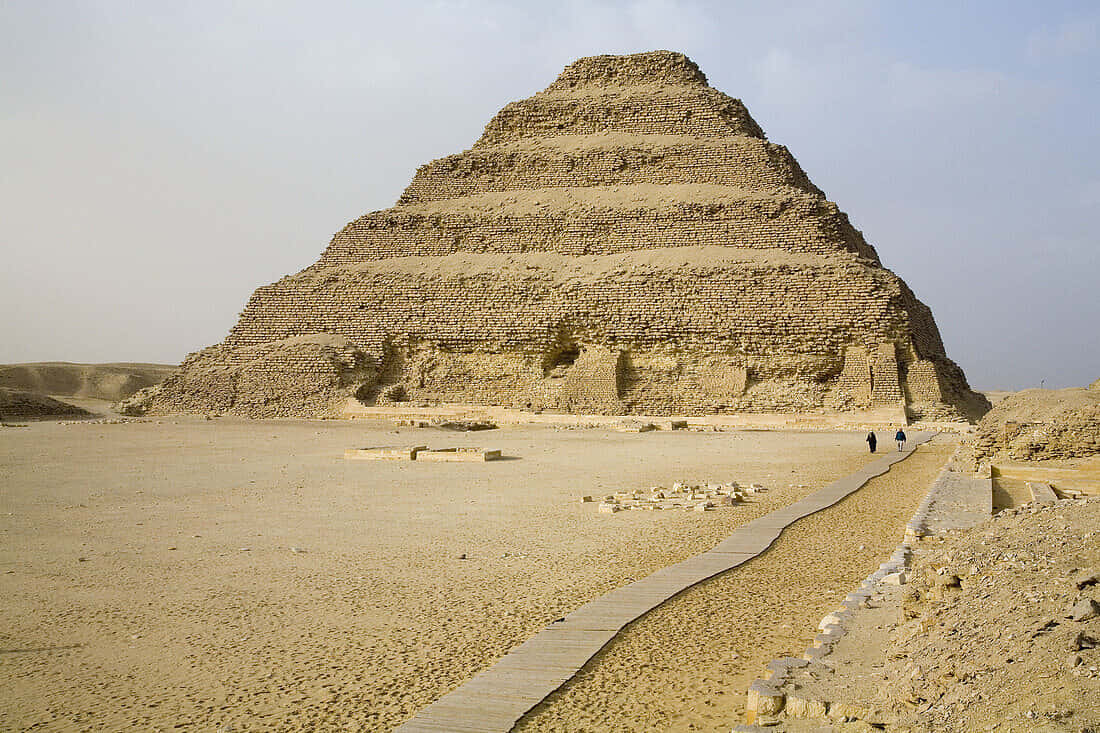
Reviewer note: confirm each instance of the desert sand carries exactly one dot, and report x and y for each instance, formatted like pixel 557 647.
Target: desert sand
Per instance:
pixel 110 382
pixel 186 573
pixel 687 664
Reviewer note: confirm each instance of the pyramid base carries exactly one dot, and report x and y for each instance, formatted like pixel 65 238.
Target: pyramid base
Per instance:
pixel 879 417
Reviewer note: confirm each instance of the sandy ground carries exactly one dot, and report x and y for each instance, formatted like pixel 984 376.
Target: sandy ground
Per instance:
pixel 686 665
pixel 149 581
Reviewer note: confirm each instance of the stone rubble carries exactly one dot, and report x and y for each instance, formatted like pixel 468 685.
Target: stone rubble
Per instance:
pixel 695 497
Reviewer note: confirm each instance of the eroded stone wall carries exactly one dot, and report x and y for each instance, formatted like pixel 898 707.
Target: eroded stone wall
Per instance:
pixel 624 241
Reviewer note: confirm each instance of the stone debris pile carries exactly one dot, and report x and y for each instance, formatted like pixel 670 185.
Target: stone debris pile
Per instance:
pixel 1039 425
pixel 457 425
pixel 694 497
pixel 991 628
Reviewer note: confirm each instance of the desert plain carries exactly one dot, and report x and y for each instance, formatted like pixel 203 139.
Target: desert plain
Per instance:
pixel 184 573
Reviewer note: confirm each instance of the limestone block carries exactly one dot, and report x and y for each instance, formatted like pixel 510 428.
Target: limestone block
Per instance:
pixel 763 699
pixel 606 508
pixel 833 619
pixel 797 706
pixel 635 427
pixel 898 578
pixel 1041 493
pixel 778 670
pixel 458 455
pixel 387 453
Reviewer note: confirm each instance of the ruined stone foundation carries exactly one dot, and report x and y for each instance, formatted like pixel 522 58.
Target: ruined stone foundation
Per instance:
pixel 625 241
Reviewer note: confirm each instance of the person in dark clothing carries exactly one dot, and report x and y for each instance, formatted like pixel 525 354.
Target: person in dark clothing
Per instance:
pixel 872 440
pixel 900 437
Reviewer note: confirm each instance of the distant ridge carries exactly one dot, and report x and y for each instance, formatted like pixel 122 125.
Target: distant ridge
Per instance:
pixel 111 382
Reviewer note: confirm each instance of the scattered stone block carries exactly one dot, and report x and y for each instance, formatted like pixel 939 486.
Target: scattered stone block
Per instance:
pixel 635 427
pixel 384 453
pixel 458 455
pixel 764 699
pixel 898 578
pixel 467 425
pixel 586 499
pixel 1084 610
pixel 606 508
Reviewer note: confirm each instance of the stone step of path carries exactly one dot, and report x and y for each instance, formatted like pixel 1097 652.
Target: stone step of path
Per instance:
pixel 495 700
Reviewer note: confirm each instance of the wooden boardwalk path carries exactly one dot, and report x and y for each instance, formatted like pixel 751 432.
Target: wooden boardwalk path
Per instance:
pixel 495 700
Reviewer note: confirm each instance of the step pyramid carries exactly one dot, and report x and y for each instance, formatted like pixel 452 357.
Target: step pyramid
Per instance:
pixel 625 241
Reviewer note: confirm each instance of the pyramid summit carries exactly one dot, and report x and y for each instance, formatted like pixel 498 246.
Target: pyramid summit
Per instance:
pixel 625 241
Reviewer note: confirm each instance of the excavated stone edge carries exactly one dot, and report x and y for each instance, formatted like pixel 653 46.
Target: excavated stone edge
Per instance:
pixel 768 696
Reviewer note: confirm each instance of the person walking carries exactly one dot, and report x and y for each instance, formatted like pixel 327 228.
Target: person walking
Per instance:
pixel 872 440
pixel 900 437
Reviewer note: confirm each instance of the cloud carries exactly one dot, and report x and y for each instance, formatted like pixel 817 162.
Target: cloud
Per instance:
pixel 1077 37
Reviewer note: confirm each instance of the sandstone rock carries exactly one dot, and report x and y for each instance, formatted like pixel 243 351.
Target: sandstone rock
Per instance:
pixel 1084 610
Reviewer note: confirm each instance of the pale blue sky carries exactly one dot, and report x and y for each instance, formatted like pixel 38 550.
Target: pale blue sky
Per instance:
pixel 158 161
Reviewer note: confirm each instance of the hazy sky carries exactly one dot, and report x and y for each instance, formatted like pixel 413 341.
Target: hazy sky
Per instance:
pixel 158 161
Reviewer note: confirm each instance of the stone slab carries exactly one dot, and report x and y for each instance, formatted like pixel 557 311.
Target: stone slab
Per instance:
pixel 384 453
pixel 1041 493
pixel 458 455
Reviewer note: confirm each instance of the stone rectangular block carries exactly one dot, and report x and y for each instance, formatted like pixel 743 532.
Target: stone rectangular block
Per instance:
pixel 384 453
pixel 458 455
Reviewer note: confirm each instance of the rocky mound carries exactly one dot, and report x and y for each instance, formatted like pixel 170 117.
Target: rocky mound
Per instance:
pixel 111 382
pixel 1040 424
pixel 1004 627
pixel 17 404
pixel 626 240
pixel 295 375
